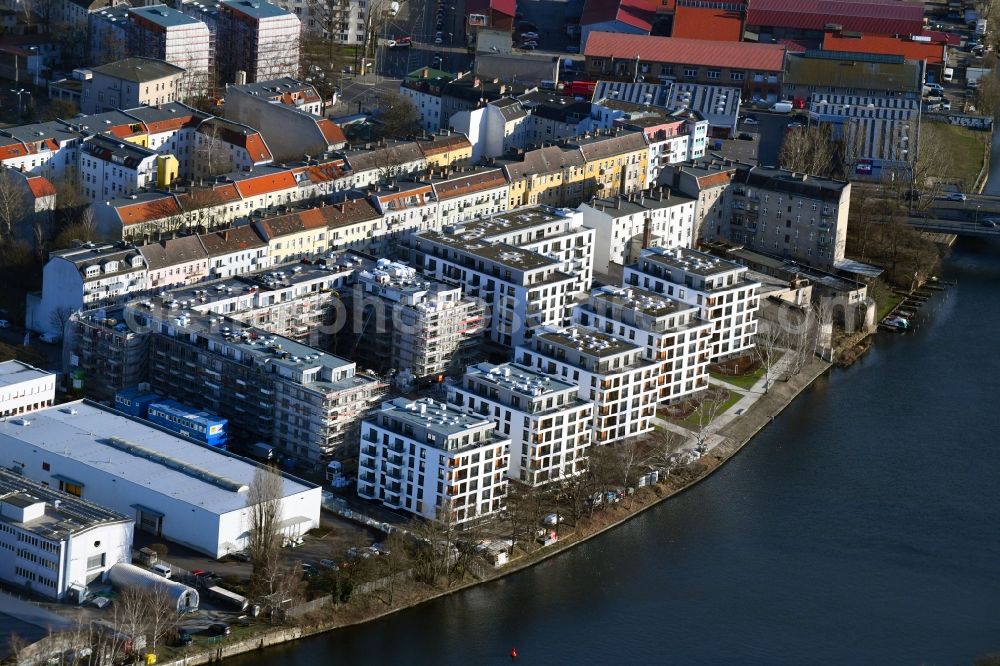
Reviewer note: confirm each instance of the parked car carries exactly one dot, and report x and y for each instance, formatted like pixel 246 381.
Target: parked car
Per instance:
pixel 438 40
pixel 990 222
pixel 746 136
pixel 946 105
pixel 4 323
pixel 794 125
pixel 956 196
pixel 240 557
pixel 529 35
pixel 328 564
pixel 750 120
pixel 219 629
pixel 162 570
pixel 552 519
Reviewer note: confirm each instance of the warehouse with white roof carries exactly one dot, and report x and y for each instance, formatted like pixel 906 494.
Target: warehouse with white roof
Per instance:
pixel 174 488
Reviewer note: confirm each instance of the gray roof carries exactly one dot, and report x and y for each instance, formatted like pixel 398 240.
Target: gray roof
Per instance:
pixel 691 261
pixel 172 252
pixel 510 108
pixel 139 70
pixel 623 206
pixel 98 254
pixel 165 16
pixel 135 452
pixel 15 372
pixel 122 152
pixel 381 157
pixel 519 379
pixel 437 417
pixel 71 515
pixel 799 184
pixel 603 146
pixel 544 160
pixel 256 8
pixel 275 87
pixel 587 341
pixel 852 71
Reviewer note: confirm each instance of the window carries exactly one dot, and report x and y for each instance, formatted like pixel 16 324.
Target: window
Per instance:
pixel 95 562
pixel 736 76
pixel 690 72
pixel 713 73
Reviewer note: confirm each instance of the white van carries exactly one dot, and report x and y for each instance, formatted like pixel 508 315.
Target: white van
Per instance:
pixel 949 74
pixel 161 569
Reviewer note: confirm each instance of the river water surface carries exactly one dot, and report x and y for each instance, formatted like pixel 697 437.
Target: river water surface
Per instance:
pixel 861 527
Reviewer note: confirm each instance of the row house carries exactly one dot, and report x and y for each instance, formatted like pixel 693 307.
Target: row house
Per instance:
pixel 446 148
pixel 550 176
pixel 235 251
pixel 611 373
pixel 468 193
pixel 423 89
pixel 721 290
pixel 616 163
pixel 548 423
pixel 177 261
pixel 433 460
pixel 706 181
pixel 383 162
pixel 671 333
pixel 625 225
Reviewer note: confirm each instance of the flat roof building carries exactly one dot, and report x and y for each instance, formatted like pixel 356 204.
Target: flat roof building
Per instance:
pixel 25 388
pixel 430 459
pixel 185 492
pixel 56 543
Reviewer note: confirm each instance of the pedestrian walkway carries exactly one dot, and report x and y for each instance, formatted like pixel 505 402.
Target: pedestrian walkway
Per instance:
pixel 749 398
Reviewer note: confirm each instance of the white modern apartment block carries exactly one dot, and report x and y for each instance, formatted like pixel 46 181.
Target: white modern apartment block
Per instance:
pixel 794 215
pixel 524 289
pixel 549 425
pixel 559 233
pixel 671 333
pixel 430 459
pixel 718 287
pixel 111 168
pixel 174 488
pixel 55 544
pixel 84 278
pixel 25 388
pixel 611 373
pixel 625 225
pixel 494 129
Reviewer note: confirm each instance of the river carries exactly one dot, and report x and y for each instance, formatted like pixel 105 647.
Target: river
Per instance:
pixel 861 527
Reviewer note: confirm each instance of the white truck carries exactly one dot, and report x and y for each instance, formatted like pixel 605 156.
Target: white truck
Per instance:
pixel 782 107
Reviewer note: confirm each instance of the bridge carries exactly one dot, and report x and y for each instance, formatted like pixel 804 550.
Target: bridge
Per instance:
pixel 956 227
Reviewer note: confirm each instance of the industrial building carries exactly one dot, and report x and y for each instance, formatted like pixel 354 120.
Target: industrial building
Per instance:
pixel 173 488
pixel 431 459
pixel 55 544
pixel 549 425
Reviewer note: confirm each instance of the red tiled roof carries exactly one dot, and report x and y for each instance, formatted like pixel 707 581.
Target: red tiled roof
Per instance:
pixel 942 37
pixel 636 13
pixel 257 149
pixel 796 46
pixel 461 185
pixel 172 124
pixel 706 23
pixel 322 173
pixel 230 240
pixel 41 187
pixel 699 52
pixel 272 182
pixel 506 7
pixel 13 150
pixel 125 131
pixel 443 144
pixel 932 53
pixel 883 17
pixel 208 196
pixel 331 132
pixel 147 211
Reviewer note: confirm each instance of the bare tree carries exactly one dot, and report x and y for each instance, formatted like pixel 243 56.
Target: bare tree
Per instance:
pixel 708 409
pixel 767 344
pixel 802 340
pixel 264 503
pixel 398 118
pixel 60 317
pixel 211 154
pixel 808 150
pixel 664 445
pixel 13 206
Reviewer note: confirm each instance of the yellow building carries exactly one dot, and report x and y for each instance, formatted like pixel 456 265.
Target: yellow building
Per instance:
pixel 615 163
pixel 553 176
pixel 446 148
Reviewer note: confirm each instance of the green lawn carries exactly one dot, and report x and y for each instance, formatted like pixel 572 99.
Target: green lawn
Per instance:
pixel 692 421
pixel 885 300
pixel 965 146
pixel 746 381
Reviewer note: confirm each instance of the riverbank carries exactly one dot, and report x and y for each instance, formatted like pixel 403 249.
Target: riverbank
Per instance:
pixel 723 446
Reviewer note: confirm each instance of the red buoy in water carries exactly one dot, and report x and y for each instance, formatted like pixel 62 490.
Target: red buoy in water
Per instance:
pixel 513 654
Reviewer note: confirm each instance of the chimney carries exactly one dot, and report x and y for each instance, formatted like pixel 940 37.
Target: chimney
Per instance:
pixel 225 235
pixel 647 233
